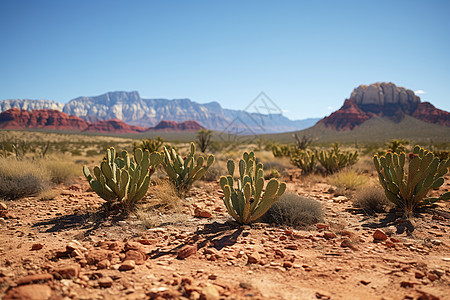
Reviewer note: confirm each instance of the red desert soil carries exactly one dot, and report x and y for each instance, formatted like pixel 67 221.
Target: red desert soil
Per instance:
pixel 63 249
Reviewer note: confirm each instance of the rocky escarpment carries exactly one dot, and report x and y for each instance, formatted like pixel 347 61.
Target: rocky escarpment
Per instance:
pixel 131 108
pixel 46 119
pixel 384 100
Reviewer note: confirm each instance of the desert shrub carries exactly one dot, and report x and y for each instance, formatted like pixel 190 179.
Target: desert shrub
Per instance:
pixel 92 152
pixel 151 145
pixel 305 160
pixel 302 142
pixel 408 191
pixel 273 173
pixel 21 178
pixel 48 194
pixel 295 211
pixel 282 151
pixel 348 179
pixel 75 152
pixel 371 199
pixel 215 171
pixel 60 171
pixel 334 159
pixel 203 139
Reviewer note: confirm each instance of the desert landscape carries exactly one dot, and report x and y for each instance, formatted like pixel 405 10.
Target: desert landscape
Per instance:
pixel 215 150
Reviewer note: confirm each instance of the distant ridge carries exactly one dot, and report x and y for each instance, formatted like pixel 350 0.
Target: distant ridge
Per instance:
pixel 130 108
pixel 48 119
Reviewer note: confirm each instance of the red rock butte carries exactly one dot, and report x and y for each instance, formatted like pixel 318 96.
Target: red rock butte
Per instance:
pixel 383 100
pixel 49 119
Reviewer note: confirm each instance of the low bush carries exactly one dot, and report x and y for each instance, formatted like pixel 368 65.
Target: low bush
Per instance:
pixel 348 179
pixel 60 171
pixel 21 178
pixel 371 199
pixel 295 211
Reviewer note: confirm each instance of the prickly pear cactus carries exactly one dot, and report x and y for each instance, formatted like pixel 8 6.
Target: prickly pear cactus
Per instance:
pixel 247 201
pixel 408 191
pixel 335 160
pixel 121 179
pixel 183 172
pixel 306 160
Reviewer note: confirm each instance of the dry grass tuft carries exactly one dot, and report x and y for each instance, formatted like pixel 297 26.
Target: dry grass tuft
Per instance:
pixel 294 210
pixel 60 171
pixel 48 195
pixel 348 179
pixel 371 199
pixel 21 178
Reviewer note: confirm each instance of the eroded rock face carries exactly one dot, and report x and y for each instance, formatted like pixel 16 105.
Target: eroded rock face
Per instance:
pixel 384 100
pixel 172 125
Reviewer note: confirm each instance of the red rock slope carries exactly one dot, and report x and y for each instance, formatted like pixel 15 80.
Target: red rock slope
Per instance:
pixel 384 100
pixel 174 126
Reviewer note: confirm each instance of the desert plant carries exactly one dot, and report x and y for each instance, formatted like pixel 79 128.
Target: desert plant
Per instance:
pixel 273 173
pixel 371 199
pixel 183 172
pixel 247 202
pixel 203 139
pixel 348 179
pixel 408 191
pixel 397 146
pixel 61 171
pixel 295 211
pixel 334 160
pixel 305 160
pixel 152 145
pixel 122 180
pixel 21 178
pixel 281 151
pixel 302 142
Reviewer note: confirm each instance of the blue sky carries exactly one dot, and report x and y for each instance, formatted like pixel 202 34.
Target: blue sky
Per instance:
pixel 307 56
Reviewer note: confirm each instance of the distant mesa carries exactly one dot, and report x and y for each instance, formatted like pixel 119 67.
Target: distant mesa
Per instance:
pixel 383 100
pixel 48 119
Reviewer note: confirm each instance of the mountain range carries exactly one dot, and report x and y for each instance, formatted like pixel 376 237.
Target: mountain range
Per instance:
pixel 130 108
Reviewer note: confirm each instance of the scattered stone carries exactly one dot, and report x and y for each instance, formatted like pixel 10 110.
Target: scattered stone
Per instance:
pixel 253 257
pixel 104 264
pixel 29 292
pixel 209 292
pixel 69 271
pixel 3 206
pixel 105 282
pixel 127 265
pixel 407 284
pixel 279 253
pixel 329 235
pixel 322 226
pixel 186 251
pixel 139 257
pixel 432 276
pixel 364 282
pixel 292 247
pixel 37 246
pixel 287 264
pixel 379 235
pixel 346 243
pixel 35 278
pixel 202 213
pixel 419 274
pixel 347 233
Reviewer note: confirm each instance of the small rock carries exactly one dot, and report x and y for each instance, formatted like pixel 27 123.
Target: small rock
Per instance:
pixel 35 278
pixel 364 282
pixel 347 233
pixel 346 243
pixel 3 206
pixel 379 235
pixel 69 271
pixel 432 276
pixel 209 292
pixel 202 213
pixel 31 292
pixel 105 282
pixel 419 274
pixel 322 226
pixel 37 246
pixel 104 264
pixel 253 257
pixel 407 284
pixel 279 253
pixel 139 257
pixel 292 247
pixel 186 251
pixel 329 235
pixel 287 264
pixel 127 265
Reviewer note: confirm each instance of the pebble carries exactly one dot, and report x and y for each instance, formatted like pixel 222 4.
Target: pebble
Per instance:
pixel 253 257
pixel 31 291
pixel 69 271
pixel 210 292
pixel 329 235
pixel 379 235
pixel 35 278
pixel 37 246
pixel 105 282
pixel 186 251
pixel 127 265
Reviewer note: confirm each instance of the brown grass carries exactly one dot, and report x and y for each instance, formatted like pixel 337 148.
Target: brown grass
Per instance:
pixel 348 179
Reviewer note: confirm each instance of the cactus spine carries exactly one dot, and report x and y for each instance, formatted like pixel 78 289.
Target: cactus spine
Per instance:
pixel 183 172
pixel 408 191
pixel 121 179
pixel 247 202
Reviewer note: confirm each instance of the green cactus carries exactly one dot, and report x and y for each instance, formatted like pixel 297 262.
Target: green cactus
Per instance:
pixel 281 151
pixel 152 145
pixel 306 160
pixel 335 160
pixel 121 179
pixel 247 202
pixel 183 172
pixel 408 191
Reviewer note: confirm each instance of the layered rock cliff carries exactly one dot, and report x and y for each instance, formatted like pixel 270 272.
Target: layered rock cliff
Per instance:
pixel 383 100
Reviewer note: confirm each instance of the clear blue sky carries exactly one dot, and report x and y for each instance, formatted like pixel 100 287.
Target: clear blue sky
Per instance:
pixel 306 55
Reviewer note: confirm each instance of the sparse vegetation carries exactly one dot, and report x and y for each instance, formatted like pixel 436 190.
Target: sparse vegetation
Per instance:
pixel 152 145
pixel 371 199
pixel 348 179
pixel 183 172
pixel 408 191
pixel 334 160
pixel 306 160
pixel 247 202
pixel 302 142
pixel 295 211
pixel 203 139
